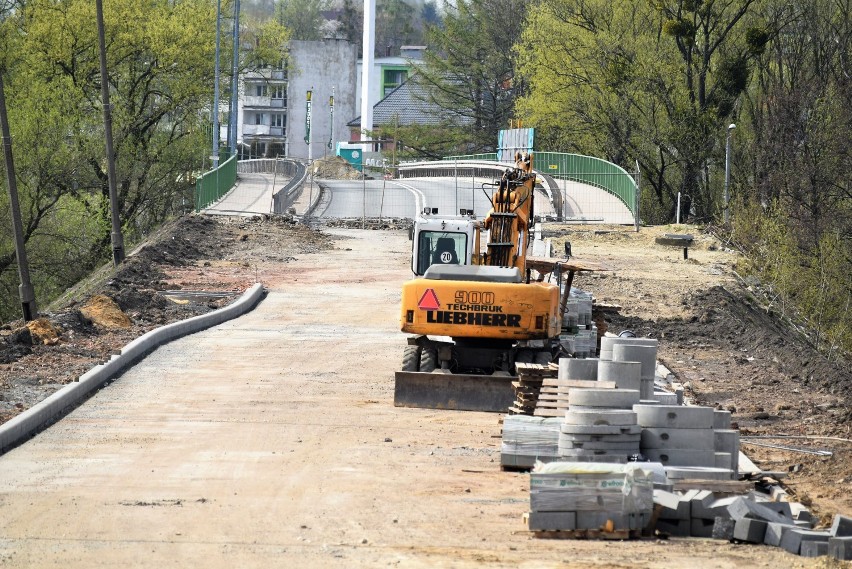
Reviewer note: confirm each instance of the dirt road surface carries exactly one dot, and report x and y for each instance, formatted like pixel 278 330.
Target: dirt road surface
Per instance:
pixel 272 440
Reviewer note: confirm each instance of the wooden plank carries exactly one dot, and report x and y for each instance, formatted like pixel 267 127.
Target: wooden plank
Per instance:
pixel 541 412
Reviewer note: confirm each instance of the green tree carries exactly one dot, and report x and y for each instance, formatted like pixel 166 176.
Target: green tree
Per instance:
pixel 160 78
pixel 633 80
pixel 303 18
pixel 470 68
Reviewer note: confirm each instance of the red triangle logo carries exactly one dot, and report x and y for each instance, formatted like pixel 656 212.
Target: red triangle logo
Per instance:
pixel 429 301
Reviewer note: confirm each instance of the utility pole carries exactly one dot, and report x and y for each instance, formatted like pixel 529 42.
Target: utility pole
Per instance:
pixel 215 113
pixel 115 236
pixel 25 289
pixel 232 118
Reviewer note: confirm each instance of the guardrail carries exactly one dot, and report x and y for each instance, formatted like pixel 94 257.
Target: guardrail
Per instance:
pixel 482 168
pixel 597 172
pixel 214 184
pixel 284 167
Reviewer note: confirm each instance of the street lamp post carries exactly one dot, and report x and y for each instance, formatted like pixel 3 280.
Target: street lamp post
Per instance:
pixel 727 213
pixel 25 289
pixel 116 236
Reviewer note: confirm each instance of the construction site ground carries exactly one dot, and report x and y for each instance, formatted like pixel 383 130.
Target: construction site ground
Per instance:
pixel 273 439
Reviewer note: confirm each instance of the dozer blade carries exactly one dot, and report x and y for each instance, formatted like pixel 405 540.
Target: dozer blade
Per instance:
pixel 459 392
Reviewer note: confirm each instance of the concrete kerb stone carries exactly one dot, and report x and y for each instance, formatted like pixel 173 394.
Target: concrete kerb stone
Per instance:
pixel 841 526
pixel 46 412
pixel 750 530
pixel 840 548
pixel 792 539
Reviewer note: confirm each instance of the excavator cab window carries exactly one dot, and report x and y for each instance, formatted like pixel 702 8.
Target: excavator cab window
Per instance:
pixel 440 248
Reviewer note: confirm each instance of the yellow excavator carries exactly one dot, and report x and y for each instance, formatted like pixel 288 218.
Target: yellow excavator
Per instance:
pixel 473 314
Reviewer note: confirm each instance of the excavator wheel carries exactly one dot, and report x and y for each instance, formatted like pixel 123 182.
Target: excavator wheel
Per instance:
pixel 411 358
pixel 428 360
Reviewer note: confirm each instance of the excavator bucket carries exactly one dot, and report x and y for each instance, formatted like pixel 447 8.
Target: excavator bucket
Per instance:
pixel 459 392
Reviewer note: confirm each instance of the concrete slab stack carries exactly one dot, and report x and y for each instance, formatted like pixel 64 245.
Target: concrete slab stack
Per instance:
pixel 527 439
pixel 678 435
pixel 600 426
pixel 590 496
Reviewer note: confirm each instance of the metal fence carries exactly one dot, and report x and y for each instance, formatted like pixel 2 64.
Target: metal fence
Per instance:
pixel 216 183
pixel 567 180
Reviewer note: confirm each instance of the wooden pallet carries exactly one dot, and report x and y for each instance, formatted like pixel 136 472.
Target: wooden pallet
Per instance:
pixel 619 534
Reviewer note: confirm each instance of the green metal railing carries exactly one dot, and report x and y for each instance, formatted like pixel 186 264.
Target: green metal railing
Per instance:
pixel 490 156
pixel 214 184
pixel 585 169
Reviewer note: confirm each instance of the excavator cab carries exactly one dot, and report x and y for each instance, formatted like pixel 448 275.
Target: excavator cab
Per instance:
pixel 443 241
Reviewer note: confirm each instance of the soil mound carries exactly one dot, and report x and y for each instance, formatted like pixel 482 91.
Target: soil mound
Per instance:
pixel 335 168
pixel 103 311
pixel 43 332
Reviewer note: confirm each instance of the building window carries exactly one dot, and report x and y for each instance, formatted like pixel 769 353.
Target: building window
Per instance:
pixel 258 118
pixel 279 92
pixel 279 119
pixel 260 90
pixel 393 78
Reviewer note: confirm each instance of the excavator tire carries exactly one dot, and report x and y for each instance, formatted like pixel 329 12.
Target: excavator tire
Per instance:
pixel 428 360
pixel 411 358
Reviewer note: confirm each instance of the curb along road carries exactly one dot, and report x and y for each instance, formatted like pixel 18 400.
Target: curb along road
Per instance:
pixel 40 416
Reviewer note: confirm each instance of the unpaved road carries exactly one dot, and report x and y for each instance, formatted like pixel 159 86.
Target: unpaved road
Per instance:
pixel 272 441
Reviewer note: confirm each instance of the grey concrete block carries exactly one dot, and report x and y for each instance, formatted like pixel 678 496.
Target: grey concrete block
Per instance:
pixel 712 509
pixel 675 528
pixel 743 508
pixel 792 539
pixel 728 440
pixel 645 355
pixel 677 416
pixel 581 455
pixel 665 398
pixel 723 528
pixel 782 508
pixel 601 429
pixel 681 457
pixel 774 533
pixel 671 506
pixel 578 368
pixel 552 521
pixel 750 530
pixel 628 446
pixel 672 438
pixel 813 548
pixel 841 526
pixel 701 528
pixel 697 472
pixel 610 417
pixel 626 375
pixel 840 548
pixel 590 438
pixel 721 419
pixel 723 460
pixel 611 398
pixel 800 512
